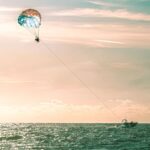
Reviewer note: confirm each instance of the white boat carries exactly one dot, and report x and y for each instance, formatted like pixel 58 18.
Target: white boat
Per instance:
pixel 127 124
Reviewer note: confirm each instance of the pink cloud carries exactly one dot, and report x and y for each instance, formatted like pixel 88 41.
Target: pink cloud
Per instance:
pixel 122 14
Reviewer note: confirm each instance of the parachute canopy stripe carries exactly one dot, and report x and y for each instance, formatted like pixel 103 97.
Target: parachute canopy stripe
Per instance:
pixel 30 18
pixel 31 12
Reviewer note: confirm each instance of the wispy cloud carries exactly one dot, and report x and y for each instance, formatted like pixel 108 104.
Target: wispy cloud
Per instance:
pixel 87 42
pixel 101 3
pixel 111 42
pixel 122 14
pixel 101 34
pixel 15 82
pixel 59 111
pixel 9 9
pixel 123 65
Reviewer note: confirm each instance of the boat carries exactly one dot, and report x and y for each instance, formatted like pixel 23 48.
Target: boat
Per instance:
pixel 127 124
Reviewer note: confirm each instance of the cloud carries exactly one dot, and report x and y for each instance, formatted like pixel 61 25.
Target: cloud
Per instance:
pixel 124 65
pixel 101 35
pixel 14 82
pixel 84 42
pixel 89 12
pixel 59 111
pixel 111 42
pixel 9 9
pixel 101 3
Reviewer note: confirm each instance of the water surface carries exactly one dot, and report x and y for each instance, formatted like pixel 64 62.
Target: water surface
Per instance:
pixel 73 137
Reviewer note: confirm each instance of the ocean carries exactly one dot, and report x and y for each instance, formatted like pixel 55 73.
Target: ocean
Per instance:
pixel 73 137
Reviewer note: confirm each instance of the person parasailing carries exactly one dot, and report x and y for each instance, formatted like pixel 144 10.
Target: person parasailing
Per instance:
pixel 30 19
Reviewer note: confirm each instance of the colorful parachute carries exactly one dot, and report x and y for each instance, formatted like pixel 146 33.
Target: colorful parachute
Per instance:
pixel 31 20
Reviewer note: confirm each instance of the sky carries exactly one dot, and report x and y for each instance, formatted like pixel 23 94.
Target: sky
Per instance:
pixel 105 43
